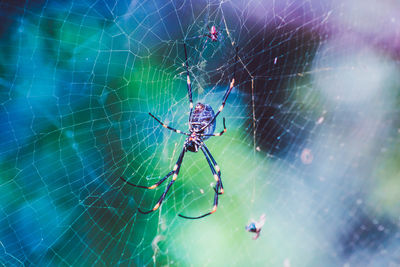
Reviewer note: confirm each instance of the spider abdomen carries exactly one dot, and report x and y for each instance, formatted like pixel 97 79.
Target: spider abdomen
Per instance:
pixel 201 116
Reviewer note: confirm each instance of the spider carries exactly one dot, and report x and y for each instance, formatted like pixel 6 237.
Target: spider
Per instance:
pixel 212 35
pixel 202 121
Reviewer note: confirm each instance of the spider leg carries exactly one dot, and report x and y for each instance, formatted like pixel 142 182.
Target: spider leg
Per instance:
pixel 225 96
pixel 189 87
pixel 149 187
pixel 218 31
pixel 217 134
pixel 206 214
pixel 218 179
pixel 176 169
pixel 216 168
pixel 198 36
pixel 209 36
pixel 167 127
pixel 195 37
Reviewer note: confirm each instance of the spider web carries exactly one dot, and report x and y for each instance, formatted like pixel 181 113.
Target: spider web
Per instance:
pixel 312 141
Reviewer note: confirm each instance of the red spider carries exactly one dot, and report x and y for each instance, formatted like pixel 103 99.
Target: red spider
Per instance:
pixel 213 35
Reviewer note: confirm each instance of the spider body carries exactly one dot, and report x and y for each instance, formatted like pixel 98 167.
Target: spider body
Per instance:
pixel 202 122
pixel 213 34
pixel 202 115
pixel 201 126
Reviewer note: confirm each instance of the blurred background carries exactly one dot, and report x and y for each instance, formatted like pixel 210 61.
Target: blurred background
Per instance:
pixel 312 142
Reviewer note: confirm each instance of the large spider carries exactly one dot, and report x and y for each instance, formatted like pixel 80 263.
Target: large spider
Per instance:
pixel 201 126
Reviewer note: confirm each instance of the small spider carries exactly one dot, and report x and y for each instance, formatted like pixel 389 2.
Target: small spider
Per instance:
pixel 202 121
pixel 213 33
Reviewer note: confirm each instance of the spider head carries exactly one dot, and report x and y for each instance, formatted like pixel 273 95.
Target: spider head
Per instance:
pixel 191 144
